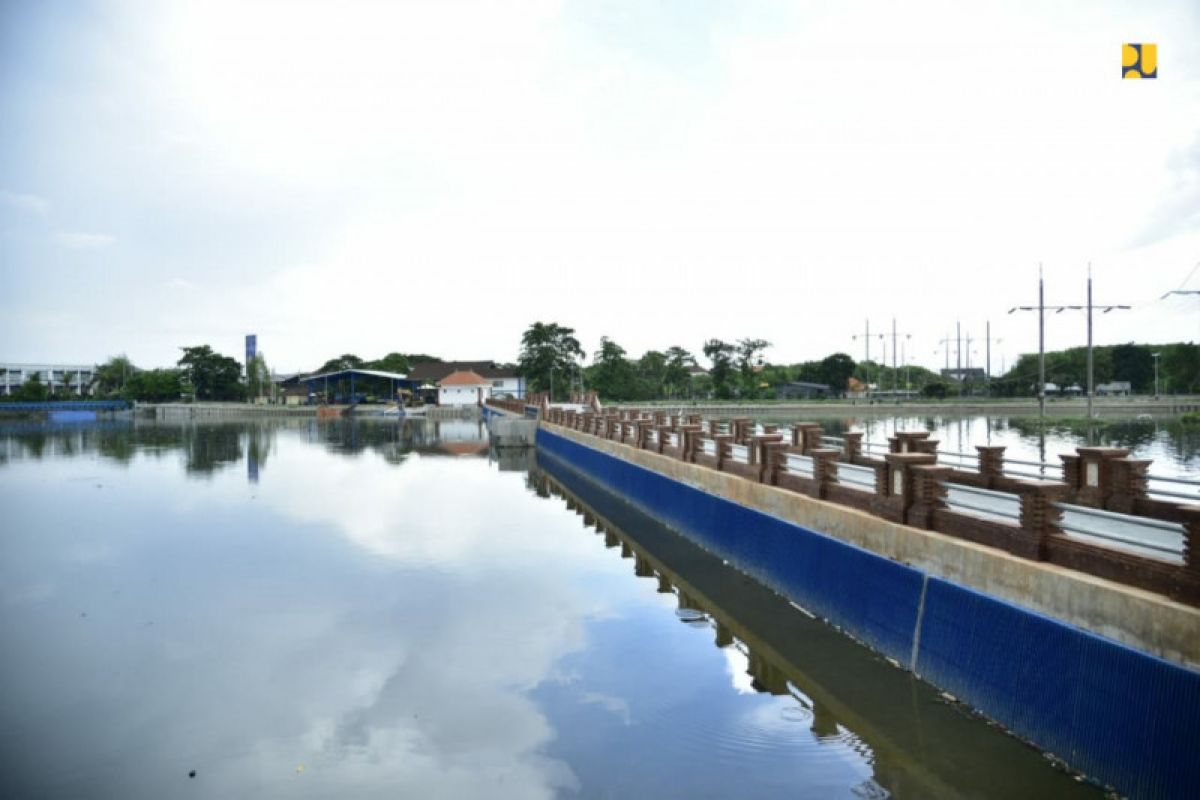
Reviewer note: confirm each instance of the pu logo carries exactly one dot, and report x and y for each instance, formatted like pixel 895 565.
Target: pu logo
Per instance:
pixel 1139 61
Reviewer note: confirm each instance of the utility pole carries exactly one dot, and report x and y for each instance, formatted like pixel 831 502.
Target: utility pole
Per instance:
pixel 988 366
pixel 866 337
pixel 895 368
pixel 945 343
pixel 1042 307
pixel 1156 357
pixel 958 349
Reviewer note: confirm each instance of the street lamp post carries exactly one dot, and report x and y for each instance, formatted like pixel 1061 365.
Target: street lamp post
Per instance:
pixel 1156 357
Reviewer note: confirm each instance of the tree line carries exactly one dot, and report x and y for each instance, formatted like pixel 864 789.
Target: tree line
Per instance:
pixel 551 358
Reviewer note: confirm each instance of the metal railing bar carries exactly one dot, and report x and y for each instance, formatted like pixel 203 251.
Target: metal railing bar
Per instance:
pixel 1142 522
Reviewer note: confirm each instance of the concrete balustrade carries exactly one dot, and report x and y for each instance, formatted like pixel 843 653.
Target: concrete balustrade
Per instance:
pixel 908 486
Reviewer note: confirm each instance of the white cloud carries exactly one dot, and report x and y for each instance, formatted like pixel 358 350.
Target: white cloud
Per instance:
pixel 25 202
pixel 77 240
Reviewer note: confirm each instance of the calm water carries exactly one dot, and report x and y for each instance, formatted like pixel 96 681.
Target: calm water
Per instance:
pixel 1174 448
pixel 380 610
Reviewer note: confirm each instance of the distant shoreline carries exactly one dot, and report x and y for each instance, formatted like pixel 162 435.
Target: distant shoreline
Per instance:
pixel 1074 407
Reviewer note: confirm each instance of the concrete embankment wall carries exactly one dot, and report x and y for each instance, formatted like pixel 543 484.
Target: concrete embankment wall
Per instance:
pixel 228 411
pixel 1029 645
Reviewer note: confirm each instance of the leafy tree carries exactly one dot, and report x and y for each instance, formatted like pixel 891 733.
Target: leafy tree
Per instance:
pixel 392 362
pixel 258 376
pixel 652 372
pixel 66 389
pixel 721 355
pixel 32 390
pixel 611 373
pixel 749 359
pixel 214 376
pixel 1134 363
pixel 549 350
pixel 112 375
pixel 154 386
pixel 676 377
pixel 344 361
pixel 835 371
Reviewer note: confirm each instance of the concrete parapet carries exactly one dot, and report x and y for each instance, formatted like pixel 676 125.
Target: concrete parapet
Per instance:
pixel 1144 620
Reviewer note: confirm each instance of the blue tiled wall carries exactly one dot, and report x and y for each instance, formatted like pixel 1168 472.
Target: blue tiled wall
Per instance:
pixel 1125 717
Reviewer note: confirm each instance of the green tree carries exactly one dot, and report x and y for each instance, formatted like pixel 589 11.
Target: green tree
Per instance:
pixel 112 375
pixel 549 355
pixel 258 376
pixel 652 374
pixel 835 371
pixel 32 390
pixel 721 355
pixel 611 373
pixel 213 376
pixel 1135 364
pixel 392 362
pixel 677 377
pixel 344 361
pixel 749 361
pixel 154 386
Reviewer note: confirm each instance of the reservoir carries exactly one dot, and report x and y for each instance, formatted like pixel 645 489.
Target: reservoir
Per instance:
pixel 383 609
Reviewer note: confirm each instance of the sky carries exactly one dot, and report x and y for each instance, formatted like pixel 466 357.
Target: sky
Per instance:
pixel 433 177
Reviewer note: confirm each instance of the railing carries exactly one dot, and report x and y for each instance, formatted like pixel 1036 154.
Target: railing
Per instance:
pixel 1149 537
pixel 800 465
pixel 1101 517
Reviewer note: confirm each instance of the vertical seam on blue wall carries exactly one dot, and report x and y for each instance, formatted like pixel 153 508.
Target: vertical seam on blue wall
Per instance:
pixel 916 638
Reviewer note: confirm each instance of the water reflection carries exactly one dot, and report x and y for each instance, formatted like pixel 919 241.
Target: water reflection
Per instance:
pixel 849 701
pixel 1174 447
pixel 207 448
pixel 361 626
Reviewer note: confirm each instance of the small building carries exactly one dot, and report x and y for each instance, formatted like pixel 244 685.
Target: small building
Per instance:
pixel 463 388
pixel 1115 389
pixel 802 390
pixel 962 374
pixel 501 379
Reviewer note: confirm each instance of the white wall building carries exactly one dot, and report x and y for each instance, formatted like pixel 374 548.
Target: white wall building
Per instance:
pixel 463 388
pixel 53 376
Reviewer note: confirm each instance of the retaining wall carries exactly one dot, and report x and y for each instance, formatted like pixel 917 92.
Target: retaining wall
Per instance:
pixel 1125 715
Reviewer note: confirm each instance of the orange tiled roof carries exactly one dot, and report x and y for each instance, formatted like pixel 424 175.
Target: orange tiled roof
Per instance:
pixel 464 378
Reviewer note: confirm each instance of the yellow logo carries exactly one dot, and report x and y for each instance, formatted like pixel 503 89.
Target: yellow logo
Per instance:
pixel 1139 61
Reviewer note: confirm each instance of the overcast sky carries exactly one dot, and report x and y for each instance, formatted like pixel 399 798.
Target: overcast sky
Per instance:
pixel 435 176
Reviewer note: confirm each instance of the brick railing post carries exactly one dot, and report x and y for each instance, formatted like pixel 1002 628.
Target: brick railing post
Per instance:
pixel 724 448
pixel 741 428
pixel 773 457
pixel 1129 483
pixel 991 463
pixel 1095 474
pixel 1040 518
pixel 757 454
pixel 1191 539
pixel 925 446
pixel 643 430
pixel 662 431
pixel 929 494
pixel 692 436
pixel 686 434
pixel 806 436
pixel 714 427
pixel 824 468
pixel 907 441
pixel 854 446
pixel 899 476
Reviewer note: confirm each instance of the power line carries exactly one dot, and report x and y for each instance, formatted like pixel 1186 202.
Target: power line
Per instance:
pixel 1041 308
